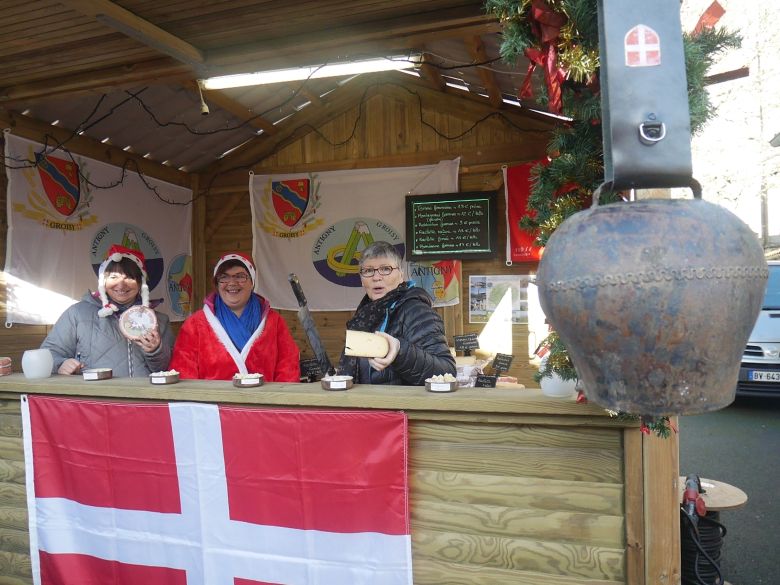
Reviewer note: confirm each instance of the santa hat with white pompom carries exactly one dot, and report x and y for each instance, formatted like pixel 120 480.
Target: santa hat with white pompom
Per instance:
pixel 115 254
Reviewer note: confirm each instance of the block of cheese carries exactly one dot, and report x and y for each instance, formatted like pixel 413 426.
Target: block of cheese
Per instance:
pixel 364 344
pixel 483 354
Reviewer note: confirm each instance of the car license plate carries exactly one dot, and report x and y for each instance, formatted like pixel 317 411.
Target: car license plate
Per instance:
pixel 763 376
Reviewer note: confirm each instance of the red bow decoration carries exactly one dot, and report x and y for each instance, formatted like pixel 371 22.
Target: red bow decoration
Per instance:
pixel 546 25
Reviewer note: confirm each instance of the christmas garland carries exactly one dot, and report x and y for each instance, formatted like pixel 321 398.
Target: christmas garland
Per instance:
pixel 561 37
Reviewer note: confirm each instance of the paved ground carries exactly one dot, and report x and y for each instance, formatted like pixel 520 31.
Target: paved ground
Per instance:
pixel 741 446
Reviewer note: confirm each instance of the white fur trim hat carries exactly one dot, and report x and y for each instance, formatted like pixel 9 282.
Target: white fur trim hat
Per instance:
pixel 115 254
pixel 245 260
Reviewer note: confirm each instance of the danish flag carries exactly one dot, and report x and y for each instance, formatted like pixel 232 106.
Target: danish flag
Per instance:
pixel 642 47
pixel 196 494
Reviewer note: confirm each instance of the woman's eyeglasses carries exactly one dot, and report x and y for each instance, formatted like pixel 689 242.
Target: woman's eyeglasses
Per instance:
pixel 382 270
pixel 240 277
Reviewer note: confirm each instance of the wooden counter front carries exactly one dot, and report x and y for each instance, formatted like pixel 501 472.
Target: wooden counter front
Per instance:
pixel 507 485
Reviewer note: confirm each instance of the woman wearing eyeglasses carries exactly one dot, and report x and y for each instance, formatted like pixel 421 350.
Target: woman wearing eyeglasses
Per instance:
pixel 236 332
pixel 403 314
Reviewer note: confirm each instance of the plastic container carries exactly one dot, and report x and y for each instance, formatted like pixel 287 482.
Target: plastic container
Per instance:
pixel 37 363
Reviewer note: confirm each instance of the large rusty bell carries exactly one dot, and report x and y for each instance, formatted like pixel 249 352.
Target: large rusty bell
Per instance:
pixel 654 300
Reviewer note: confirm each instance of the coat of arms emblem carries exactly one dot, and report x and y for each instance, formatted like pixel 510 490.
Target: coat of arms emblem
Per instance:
pixel 60 181
pixel 290 199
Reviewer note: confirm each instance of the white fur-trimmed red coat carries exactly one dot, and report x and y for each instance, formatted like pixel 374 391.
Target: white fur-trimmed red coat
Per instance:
pixel 204 350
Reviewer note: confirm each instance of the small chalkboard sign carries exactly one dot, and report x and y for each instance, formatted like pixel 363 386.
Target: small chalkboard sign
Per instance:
pixel 451 226
pixel 501 362
pixel 486 382
pixel 466 342
pixel 310 370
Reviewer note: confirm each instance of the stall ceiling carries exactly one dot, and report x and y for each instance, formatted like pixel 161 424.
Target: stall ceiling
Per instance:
pixel 125 72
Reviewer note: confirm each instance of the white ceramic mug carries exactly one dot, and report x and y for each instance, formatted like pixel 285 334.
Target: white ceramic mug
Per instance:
pixel 37 363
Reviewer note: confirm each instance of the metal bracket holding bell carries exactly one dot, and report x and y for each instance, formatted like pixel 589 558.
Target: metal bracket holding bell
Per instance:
pixel 644 96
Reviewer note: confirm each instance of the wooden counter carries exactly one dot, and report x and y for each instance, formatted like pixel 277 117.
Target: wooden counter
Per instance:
pixel 507 485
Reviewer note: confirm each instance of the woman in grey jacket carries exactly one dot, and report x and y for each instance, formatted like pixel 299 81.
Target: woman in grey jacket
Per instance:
pixel 87 334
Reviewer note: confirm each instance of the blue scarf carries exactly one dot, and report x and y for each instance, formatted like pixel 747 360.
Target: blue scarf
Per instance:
pixel 240 329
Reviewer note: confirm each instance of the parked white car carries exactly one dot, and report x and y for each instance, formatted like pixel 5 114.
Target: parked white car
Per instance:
pixel 759 373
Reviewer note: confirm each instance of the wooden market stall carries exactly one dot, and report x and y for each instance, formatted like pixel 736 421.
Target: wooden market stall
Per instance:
pixel 507 485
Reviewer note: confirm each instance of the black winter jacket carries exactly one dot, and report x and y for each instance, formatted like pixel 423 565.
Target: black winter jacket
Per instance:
pixel 424 351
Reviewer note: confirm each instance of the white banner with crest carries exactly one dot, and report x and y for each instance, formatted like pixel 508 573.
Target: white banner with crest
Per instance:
pixel 316 225
pixel 62 220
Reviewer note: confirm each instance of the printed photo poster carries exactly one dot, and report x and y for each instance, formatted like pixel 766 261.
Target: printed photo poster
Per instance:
pixel 316 225
pixel 440 278
pixel 65 211
pixel 488 293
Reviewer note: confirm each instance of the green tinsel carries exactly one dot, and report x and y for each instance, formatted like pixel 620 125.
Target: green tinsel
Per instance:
pixel 565 185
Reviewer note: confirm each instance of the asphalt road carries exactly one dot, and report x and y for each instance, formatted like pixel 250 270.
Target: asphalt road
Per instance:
pixel 740 445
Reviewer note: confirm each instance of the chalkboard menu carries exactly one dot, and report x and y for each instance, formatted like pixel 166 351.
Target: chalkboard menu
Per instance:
pixel 451 226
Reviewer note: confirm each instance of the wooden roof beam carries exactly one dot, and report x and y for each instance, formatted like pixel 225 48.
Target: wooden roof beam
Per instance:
pixel 34 129
pixel 162 70
pixel 315 100
pixel 349 96
pixel 145 32
pixel 431 74
pixel 457 101
pixel 305 49
pixel 335 103
pixel 477 50
pixel 228 104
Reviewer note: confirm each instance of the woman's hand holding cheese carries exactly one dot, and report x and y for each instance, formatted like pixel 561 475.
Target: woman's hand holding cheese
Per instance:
pixel 380 364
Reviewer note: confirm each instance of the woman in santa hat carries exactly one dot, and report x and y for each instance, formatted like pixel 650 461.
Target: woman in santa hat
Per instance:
pixel 88 335
pixel 236 332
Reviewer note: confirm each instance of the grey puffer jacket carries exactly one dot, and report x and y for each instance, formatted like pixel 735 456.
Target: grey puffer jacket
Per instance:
pixel 80 330
pixel 424 351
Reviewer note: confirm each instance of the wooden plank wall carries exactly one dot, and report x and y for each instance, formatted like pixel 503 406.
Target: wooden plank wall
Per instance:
pixel 389 132
pixel 516 503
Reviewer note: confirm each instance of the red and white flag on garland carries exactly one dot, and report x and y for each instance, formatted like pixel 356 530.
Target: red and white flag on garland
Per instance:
pixel 185 494
pixel 517 187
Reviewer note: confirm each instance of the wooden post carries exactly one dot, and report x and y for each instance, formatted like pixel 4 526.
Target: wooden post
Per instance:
pixel 198 242
pixel 661 459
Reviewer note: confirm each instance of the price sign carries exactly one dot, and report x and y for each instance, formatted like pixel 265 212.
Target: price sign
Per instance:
pixel 486 382
pixel 466 342
pixel 310 370
pixel 501 362
pixel 451 226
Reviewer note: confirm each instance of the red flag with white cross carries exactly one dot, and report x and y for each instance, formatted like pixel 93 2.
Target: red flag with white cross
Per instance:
pixel 184 494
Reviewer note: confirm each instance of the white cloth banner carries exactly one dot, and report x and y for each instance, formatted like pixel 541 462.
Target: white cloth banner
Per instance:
pixel 61 225
pixel 317 224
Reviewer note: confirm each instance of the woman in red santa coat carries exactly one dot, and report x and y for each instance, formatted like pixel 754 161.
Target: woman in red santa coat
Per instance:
pixel 236 332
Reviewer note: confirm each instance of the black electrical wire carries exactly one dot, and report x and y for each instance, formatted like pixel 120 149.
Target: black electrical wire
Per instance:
pixel 701 543
pixel 87 123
